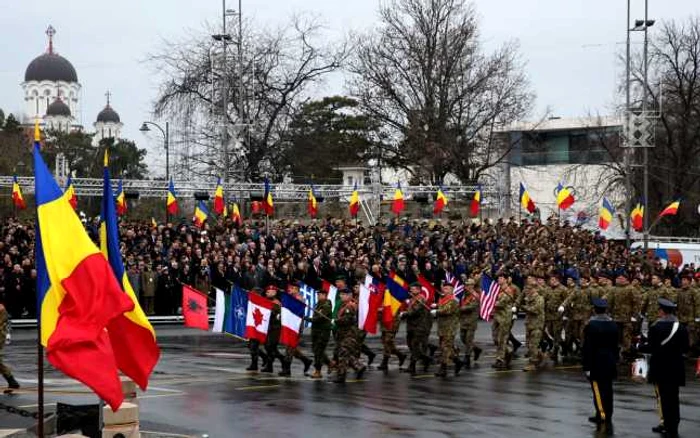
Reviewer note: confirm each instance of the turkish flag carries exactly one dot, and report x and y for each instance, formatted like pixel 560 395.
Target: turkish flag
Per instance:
pixel 426 289
pixel 258 317
pixel 194 308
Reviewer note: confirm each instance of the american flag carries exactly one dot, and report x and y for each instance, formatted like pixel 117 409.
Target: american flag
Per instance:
pixel 309 296
pixel 456 285
pixel 489 294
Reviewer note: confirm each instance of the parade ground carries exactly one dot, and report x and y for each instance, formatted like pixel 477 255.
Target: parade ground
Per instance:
pixel 200 388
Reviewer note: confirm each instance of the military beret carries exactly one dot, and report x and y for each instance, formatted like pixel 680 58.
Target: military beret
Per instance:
pixel 600 303
pixel 415 284
pixel 340 277
pixel 271 287
pixel 667 305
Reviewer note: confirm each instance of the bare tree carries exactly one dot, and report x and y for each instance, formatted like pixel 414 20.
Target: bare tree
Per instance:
pixel 278 68
pixel 425 76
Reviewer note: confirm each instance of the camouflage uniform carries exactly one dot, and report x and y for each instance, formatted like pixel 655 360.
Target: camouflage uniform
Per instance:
pixel 625 303
pixel 389 344
pixel 651 298
pixel 418 325
pixel 348 340
pixel 553 298
pixel 686 310
pixel 533 305
pixel 448 323
pixel 502 322
pixel 468 321
pixel 321 332
pixel 578 307
pixel 4 325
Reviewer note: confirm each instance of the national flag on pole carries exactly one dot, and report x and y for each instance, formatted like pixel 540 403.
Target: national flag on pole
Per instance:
pixel 565 197
pixel 525 199
pixel 268 204
pixel 637 217
pixel 426 289
pixel 219 202
pixel 440 201
pixel 77 293
pixel 194 308
pixel 457 286
pixel 333 296
pixel 370 300
pixel 671 210
pixel 310 298
pixel 236 214
pixel 354 202
pixel 154 224
pixel 131 335
pixel 70 191
pixel 291 316
pixel 120 199
pixel 17 198
pixel 397 205
pixel 395 295
pixel 489 293
pixel 258 317
pixel 239 313
pixel 171 202
pixel 476 203
pixel 312 203
pixel 200 214
pixel 605 215
pixel 222 311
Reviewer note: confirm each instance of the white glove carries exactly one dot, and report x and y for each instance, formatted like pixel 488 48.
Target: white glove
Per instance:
pixel 633 319
pixel 561 309
pixel 402 315
pixel 433 306
pixel 514 309
pixel 433 312
pixel 279 316
pixel 515 316
pixel 332 321
pixel 697 319
pixel 588 374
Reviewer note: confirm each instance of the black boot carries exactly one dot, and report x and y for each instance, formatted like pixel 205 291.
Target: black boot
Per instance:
pixel 370 356
pixel 11 382
pixel 265 359
pixel 307 365
pixel 253 363
pixel 402 359
pixel 458 366
pixel 412 367
pixel 384 366
pixel 467 361
pixel 426 363
pixel 286 369
pixel 267 367
pixel 360 372
pixel 442 372
pixel 516 344
pixel 477 353
pixel 432 348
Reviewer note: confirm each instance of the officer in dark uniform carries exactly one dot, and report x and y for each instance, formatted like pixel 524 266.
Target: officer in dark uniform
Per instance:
pixel 668 342
pixel 600 355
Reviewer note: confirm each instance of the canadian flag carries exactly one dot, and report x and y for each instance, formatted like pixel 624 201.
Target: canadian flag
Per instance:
pixel 371 297
pixel 258 317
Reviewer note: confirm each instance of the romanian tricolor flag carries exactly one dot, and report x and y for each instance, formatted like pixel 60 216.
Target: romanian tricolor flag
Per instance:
pixel 70 190
pixel 476 203
pixel 268 205
pixel 565 198
pixel 637 217
pixel 312 204
pixel 236 214
pixel 606 214
pixel 77 293
pixel 397 205
pixel 154 224
pixel 200 214
pixel 17 197
pixel 354 202
pixel 395 294
pixel 440 201
pixel 525 200
pixel 671 210
pixel 121 199
pixel 219 202
pixel 171 202
pixel 131 334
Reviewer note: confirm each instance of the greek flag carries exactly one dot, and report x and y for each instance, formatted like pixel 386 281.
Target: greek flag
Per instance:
pixel 309 295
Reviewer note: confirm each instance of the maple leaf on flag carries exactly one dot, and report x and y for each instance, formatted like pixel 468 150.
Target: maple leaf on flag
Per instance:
pixel 257 317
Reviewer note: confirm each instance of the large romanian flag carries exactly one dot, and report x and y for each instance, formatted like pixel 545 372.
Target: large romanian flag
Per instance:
pixel 476 203
pixel 565 197
pixel 70 191
pixel 395 294
pixel 78 296
pixel 671 209
pixel 200 214
pixel 440 201
pixel 637 217
pixel 525 200
pixel 268 204
pixel 219 202
pixel 132 336
pixel 354 202
pixel 397 205
pixel 121 199
pixel 606 214
pixel 17 198
pixel 171 202
pixel 312 204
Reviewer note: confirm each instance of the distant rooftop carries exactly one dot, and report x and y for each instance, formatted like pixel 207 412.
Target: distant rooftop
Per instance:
pixel 561 124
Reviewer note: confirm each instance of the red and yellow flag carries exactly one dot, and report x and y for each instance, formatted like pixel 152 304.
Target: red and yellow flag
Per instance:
pixel 268 204
pixel 637 217
pixel 171 202
pixel 354 202
pixel 70 190
pixel 397 205
pixel 440 201
pixel 476 203
pixel 312 204
pixel 671 210
pixel 606 214
pixel 219 202
pixel 236 214
pixel 200 214
pixel 121 199
pixel 565 197
pixel 17 198
pixel 525 200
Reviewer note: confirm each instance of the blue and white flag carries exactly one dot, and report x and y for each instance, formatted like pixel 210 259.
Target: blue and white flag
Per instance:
pixel 236 324
pixel 309 295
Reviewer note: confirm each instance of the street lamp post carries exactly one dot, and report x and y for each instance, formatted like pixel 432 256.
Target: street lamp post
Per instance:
pixel 166 143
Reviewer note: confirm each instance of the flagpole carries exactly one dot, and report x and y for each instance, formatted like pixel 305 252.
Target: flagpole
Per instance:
pixel 40 381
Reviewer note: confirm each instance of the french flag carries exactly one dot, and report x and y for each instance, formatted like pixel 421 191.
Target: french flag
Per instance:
pixel 257 317
pixel 292 316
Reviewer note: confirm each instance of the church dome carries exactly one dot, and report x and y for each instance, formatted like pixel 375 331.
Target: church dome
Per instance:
pixel 50 67
pixel 58 108
pixel 108 115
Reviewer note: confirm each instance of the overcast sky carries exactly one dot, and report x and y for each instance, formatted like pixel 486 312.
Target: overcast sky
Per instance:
pixel 569 46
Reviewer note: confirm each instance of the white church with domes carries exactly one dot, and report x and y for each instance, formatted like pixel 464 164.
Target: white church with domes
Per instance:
pixel 52 96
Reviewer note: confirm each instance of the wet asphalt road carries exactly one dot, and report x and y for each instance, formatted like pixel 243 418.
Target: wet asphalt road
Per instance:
pixel 200 387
